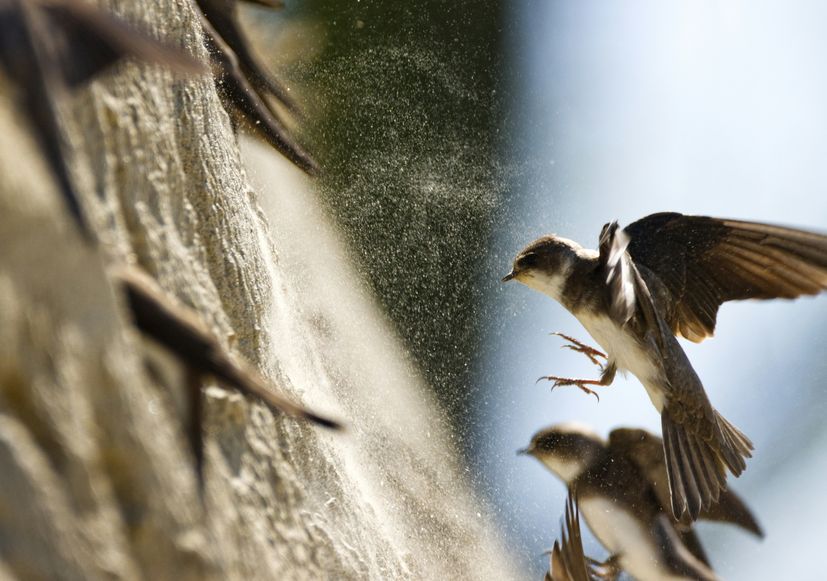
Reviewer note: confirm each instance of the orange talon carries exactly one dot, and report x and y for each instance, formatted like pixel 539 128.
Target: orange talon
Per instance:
pixel 580 383
pixel 579 347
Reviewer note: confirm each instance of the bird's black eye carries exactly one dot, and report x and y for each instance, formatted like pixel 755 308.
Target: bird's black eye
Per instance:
pixel 546 443
pixel 527 261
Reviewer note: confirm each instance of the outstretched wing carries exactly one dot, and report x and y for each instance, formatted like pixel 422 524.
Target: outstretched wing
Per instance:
pixel 704 262
pixel 646 451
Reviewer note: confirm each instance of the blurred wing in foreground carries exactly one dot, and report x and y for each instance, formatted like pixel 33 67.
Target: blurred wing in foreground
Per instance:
pixel 47 46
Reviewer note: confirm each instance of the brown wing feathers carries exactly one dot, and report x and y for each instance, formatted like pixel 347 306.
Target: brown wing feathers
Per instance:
pixel 568 562
pixel 773 262
pixel 705 262
pixel 646 450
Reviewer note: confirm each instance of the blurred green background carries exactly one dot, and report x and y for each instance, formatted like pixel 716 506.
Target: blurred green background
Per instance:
pixel 404 109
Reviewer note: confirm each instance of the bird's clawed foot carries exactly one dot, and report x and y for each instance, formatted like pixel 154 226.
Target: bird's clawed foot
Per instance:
pixel 579 347
pixel 607 370
pixel 581 383
pixel 608 570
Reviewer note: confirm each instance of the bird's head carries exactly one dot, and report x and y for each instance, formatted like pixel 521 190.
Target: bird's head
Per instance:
pixel 544 264
pixel 565 449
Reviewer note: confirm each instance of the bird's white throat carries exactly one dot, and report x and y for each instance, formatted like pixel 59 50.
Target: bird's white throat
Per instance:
pixel 551 284
pixel 566 469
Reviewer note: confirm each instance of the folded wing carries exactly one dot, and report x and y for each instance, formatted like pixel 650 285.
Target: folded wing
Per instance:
pixel 646 451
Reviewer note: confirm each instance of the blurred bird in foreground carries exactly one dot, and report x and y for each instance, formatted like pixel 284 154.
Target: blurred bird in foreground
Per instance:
pixel 180 330
pixel 50 46
pixel 224 19
pixel 623 494
pixel 664 276
pixel 242 82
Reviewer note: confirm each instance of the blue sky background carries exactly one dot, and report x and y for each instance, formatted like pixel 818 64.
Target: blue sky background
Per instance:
pixel 629 108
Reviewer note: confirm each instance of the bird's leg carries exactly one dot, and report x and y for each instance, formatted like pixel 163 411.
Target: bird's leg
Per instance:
pixel 579 347
pixel 608 570
pixel 606 379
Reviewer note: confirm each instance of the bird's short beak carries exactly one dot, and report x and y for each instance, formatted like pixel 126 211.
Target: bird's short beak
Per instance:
pixel 509 276
pixel 523 451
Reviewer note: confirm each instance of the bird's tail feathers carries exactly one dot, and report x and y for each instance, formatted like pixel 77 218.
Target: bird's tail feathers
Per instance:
pixel 736 446
pixel 697 459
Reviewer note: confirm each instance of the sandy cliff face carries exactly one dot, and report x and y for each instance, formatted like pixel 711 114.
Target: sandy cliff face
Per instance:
pixel 96 478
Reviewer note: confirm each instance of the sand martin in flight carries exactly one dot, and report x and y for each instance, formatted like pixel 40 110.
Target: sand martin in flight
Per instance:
pixel 664 276
pixel 623 495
